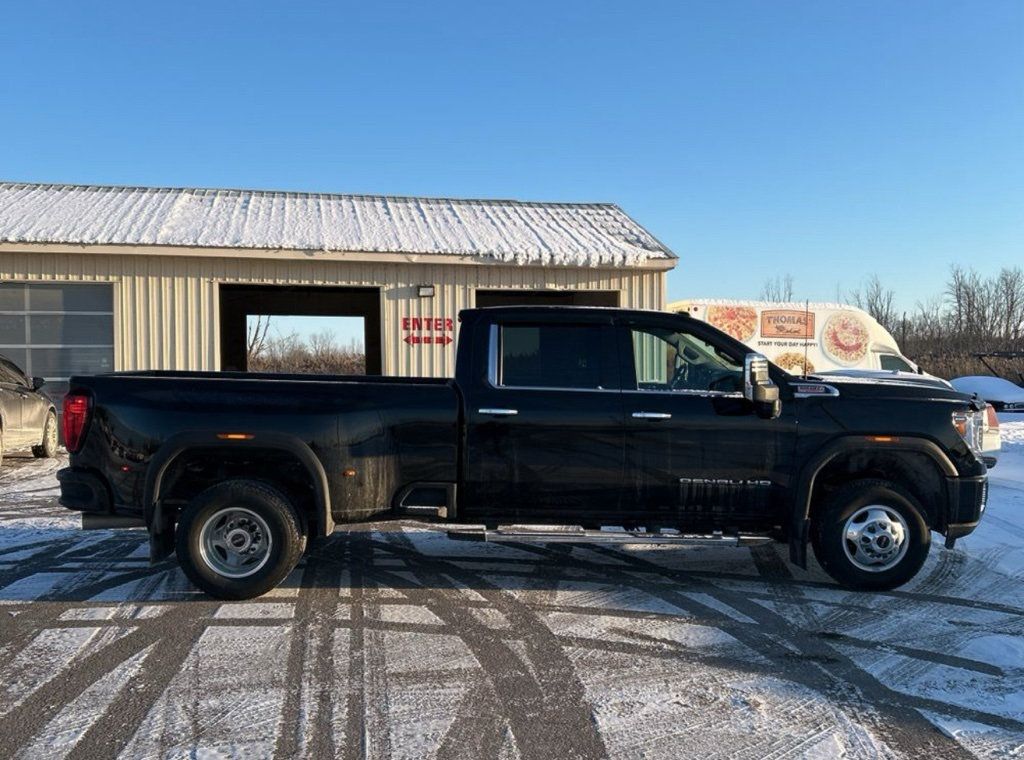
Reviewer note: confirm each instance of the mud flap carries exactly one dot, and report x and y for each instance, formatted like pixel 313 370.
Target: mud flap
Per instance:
pixel 798 543
pixel 950 542
pixel 161 536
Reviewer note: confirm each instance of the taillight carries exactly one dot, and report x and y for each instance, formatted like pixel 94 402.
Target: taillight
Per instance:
pixel 75 417
pixel 991 417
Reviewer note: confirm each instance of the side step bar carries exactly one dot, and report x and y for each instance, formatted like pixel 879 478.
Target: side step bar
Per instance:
pixel 439 513
pixel 574 534
pixel 110 522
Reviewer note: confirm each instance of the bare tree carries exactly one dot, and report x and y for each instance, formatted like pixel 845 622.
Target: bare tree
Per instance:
pixel 319 355
pixel 778 288
pixel 256 338
pixel 1008 294
pixel 976 314
pixel 878 301
pixel 976 302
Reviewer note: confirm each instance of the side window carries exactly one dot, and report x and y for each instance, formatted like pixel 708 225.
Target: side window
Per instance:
pixel 666 360
pixel 11 374
pixel 550 356
pixel 893 362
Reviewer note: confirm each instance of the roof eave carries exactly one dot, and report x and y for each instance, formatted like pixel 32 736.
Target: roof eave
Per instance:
pixel 291 254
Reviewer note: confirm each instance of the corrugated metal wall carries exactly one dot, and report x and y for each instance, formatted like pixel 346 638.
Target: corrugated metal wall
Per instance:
pixel 165 306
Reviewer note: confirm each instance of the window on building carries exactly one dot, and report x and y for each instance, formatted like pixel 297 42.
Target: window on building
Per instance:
pixel 55 330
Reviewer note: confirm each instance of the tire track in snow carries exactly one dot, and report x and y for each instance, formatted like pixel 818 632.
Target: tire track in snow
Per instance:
pixel 552 718
pixel 122 717
pixel 356 739
pixel 478 729
pixel 36 711
pixel 813 664
pixel 305 725
pixel 825 670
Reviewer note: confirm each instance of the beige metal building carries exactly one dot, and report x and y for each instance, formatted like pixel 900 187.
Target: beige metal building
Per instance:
pixel 120 278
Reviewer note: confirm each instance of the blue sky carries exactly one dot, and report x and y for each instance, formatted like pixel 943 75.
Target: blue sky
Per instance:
pixel 831 140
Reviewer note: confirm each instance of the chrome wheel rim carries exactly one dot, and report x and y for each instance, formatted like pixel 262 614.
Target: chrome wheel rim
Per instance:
pixel 235 542
pixel 875 538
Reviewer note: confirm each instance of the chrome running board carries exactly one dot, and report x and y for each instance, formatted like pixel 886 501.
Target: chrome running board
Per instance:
pixel 550 534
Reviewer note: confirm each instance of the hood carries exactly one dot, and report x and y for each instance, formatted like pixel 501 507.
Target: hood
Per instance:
pixel 879 385
pixel 885 374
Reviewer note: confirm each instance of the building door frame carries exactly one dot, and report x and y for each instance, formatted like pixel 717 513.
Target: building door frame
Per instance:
pixel 237 301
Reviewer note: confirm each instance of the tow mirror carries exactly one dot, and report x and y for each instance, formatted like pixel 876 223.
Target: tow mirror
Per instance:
pixel 758 387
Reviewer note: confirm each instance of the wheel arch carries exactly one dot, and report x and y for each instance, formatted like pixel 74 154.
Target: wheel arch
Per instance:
pixel 856 457
pixel 160 521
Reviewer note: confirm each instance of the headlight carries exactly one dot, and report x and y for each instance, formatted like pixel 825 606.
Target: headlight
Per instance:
pixel 969 424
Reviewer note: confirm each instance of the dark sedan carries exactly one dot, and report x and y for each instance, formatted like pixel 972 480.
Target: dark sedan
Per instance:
pixel 28 419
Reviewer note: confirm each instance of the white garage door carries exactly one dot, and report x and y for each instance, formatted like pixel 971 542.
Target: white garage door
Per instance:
pixel 55 330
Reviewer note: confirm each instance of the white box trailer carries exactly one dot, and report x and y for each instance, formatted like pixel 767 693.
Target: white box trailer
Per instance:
pixel 804 338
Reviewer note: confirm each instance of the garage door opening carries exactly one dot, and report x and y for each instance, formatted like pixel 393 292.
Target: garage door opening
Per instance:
pixel 486 298
pixel 306 345
pixel 307 327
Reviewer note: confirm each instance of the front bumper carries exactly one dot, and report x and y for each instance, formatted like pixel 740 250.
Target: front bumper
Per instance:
pixel 82 491
pixel 967 499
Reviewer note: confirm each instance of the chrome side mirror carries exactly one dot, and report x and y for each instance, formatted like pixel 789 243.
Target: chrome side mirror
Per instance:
pixel 758 387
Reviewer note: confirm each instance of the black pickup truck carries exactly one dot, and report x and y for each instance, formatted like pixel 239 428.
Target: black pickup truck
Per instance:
pixel 560 423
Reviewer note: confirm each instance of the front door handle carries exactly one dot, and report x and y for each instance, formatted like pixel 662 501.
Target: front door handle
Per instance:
pixel 652 415
pixel 498 412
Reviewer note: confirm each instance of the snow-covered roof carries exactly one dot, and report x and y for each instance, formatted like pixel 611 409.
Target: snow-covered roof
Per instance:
pixel 579 234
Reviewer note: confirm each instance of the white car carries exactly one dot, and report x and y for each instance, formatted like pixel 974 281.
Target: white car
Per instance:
pixel 1002 394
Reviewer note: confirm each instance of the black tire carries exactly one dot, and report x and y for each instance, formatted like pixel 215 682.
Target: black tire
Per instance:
pixel 229 504
pixel 849 502
pixel 47 449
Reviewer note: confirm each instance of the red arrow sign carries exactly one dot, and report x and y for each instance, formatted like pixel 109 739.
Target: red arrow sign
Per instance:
pixel 438 340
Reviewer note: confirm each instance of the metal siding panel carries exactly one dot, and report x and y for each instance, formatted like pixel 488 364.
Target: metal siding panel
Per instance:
pixel 178 298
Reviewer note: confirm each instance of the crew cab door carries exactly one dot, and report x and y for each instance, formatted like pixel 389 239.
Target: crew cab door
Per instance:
pixel 544 436
pixel 697 454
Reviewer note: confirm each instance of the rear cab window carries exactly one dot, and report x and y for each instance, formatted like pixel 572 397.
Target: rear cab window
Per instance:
pixel 552 356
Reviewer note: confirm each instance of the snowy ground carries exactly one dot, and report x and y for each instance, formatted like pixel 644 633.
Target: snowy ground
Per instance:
pixel 401 643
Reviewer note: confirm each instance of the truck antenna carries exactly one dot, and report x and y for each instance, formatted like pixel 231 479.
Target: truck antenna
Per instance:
pixel 807 338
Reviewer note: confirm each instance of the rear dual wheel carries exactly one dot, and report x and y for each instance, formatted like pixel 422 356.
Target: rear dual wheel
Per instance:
pixel 239 539
pixel 871 535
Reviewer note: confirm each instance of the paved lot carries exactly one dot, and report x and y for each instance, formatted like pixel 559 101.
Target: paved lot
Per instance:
pixel 400 643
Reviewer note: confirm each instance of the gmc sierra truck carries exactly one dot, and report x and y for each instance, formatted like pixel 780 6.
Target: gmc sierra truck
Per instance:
pixel 561 424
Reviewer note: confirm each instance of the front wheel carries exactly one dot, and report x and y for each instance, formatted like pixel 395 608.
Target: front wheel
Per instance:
pixel 871 535
pixel 47 448
pixel 239 539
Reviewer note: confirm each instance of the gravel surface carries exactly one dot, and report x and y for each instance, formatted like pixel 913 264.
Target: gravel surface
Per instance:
pixel 397 642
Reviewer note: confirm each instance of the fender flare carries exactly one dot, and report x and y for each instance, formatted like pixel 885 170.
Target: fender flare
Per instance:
pixel 159 525
pixel 801 505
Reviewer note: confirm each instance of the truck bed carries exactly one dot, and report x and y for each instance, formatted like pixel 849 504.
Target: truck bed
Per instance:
pixel 387 431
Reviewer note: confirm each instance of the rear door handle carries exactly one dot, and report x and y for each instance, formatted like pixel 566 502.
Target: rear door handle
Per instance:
pixel 498 412
pixel 652 415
